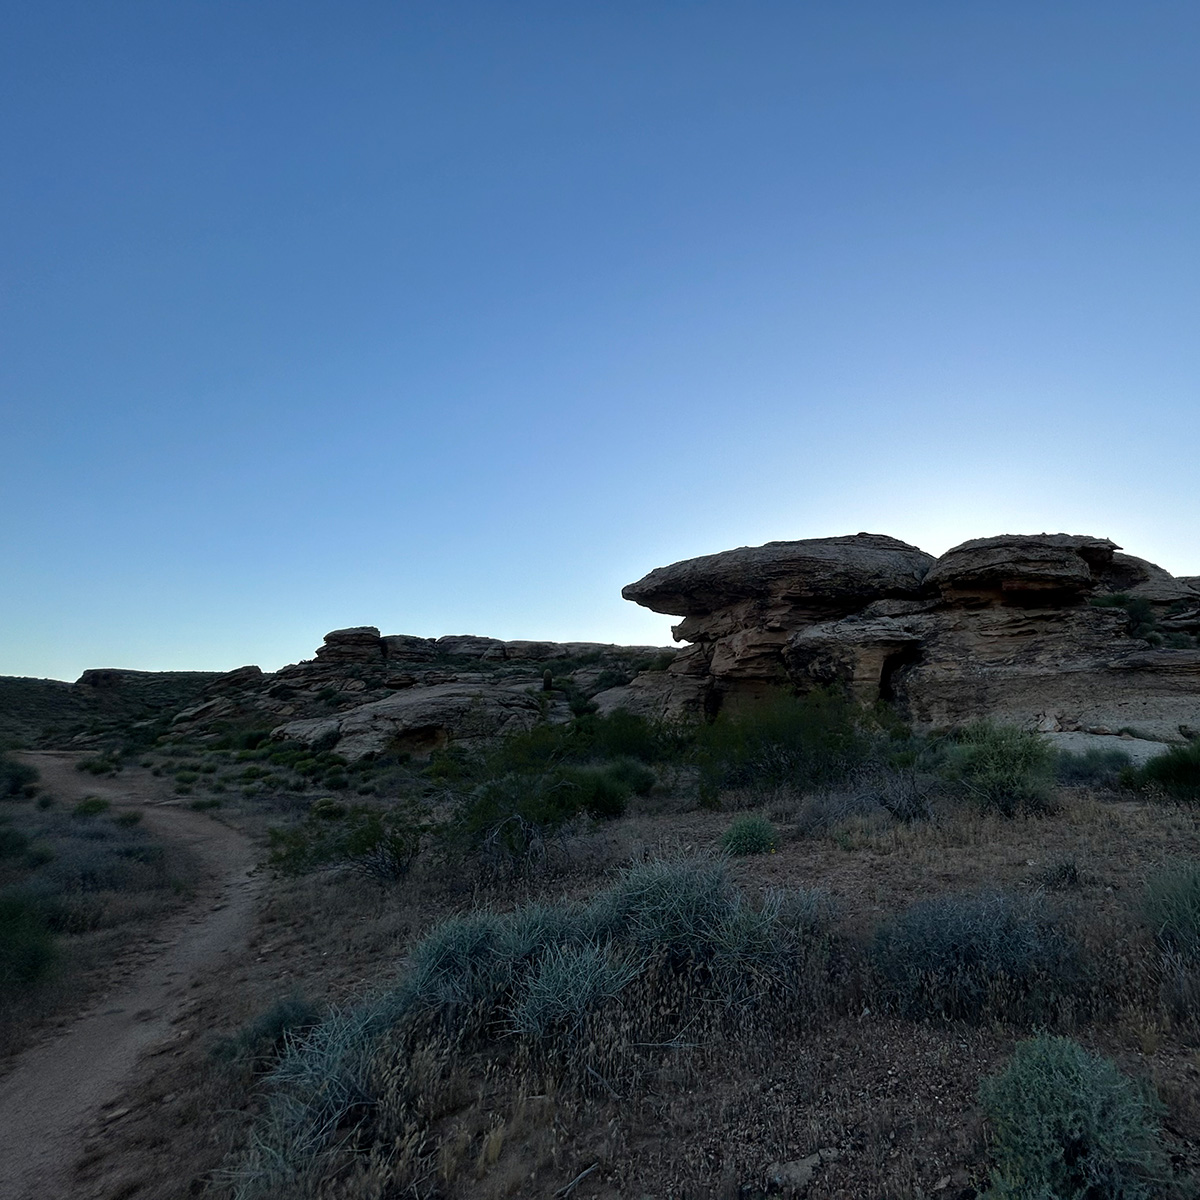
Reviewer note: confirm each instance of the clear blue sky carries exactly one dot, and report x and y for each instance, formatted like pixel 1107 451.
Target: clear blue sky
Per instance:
pixel 455 317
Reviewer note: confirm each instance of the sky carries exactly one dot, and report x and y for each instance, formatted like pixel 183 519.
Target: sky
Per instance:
pixel 456 317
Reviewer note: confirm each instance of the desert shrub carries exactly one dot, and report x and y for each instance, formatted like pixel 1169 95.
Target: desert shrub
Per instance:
pixel 16 778
pixel 90 806
pixel 508 819
pixel 542 974
pixel 568 982
pixel 970 956
pixel 1006 770
pixel 632 774
pixel 378 842
pixel 1176 772
pixel 127 820
pixel 13 842
pixel 1060 874
pixel 1171 906
pixel 102 764
pixel 806 742
pixel 1093 768
pixel 1142 621
pixel 1068 1125
pixel 27 950
pixel 751 834
pixel 260 1042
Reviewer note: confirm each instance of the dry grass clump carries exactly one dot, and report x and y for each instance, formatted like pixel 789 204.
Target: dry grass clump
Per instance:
pixel 973 956
pixel 585 986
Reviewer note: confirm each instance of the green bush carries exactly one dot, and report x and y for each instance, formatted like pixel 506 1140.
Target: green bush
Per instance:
pixel 1006 770
pixel 971 956
pixel 13 842
pixel 541 973
pixel 1171 906
pixel 16 778
pixel 1177 772
pixel 1094 768
pixel 379 843
pixel 806 742
pixel 1142 621
pixel 27 949
pixel 90 806
pixel 1067 1125
pixel 261 1041
pixel 751 834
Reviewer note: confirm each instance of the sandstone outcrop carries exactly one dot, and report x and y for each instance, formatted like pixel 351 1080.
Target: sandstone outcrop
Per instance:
pixel 422 719
pixel 1006 627
pixel 367 692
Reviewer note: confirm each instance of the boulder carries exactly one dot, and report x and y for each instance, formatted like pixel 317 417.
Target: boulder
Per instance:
pixel 834 575
pixel 1015 568
pixel 1137 577
pixel 419 720
pixel 467 645
pixel 404 647
pixel 362 644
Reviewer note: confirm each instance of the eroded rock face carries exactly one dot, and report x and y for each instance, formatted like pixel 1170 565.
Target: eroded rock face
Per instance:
pixel 422 719
pixel 1001 627
pixel 740 607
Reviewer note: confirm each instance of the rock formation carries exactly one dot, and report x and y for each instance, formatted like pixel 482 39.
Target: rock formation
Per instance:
pixel 1057 631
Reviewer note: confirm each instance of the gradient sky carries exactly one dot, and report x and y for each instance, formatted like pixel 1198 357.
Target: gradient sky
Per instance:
pixel 456 317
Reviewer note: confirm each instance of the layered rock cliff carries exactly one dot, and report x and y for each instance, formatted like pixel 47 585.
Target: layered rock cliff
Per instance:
pixel 1057 631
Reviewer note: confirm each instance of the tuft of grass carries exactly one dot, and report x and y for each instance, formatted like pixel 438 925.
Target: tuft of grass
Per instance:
pixel 261 1041
pixel 1005 769
pixel 977 955
pixel 751 834
pixel 1171 907
pixel 542 974
pixel 1068 1125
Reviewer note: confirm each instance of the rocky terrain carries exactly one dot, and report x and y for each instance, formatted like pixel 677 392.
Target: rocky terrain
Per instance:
pixel 1059 632
pixel 1053 631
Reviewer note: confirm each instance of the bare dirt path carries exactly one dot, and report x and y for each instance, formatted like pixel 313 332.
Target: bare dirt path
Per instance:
pixel 54 1091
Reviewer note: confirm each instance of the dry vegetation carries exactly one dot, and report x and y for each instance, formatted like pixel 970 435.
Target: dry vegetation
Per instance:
pixel 785 963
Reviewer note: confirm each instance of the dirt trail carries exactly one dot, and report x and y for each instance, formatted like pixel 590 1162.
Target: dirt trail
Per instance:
pixel 54 1091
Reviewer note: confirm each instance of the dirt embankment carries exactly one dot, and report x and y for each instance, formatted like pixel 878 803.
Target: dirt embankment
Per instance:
pixel 53 1092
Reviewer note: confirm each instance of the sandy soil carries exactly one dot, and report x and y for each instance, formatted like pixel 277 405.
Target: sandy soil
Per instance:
pixel 54 1091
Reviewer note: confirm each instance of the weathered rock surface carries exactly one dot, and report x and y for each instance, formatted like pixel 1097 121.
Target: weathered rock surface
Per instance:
pixel 359 645
pixel 422 719
pixel 997 627
pixel 740 607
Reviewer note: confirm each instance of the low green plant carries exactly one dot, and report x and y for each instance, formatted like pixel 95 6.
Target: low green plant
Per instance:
pixel 1176 772
pixel 665 934
pixel 16 778
pixel 261 1041
pixel 128 819
pixel 1067 1125
pixel 1142 620
pixel 977 955
pixel 1004 769
pixel 1091 768
pixel 1171 907
pixel 750 834
pixel 27 948
pixel 91 806
pixel 801 742
pixel 380 843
